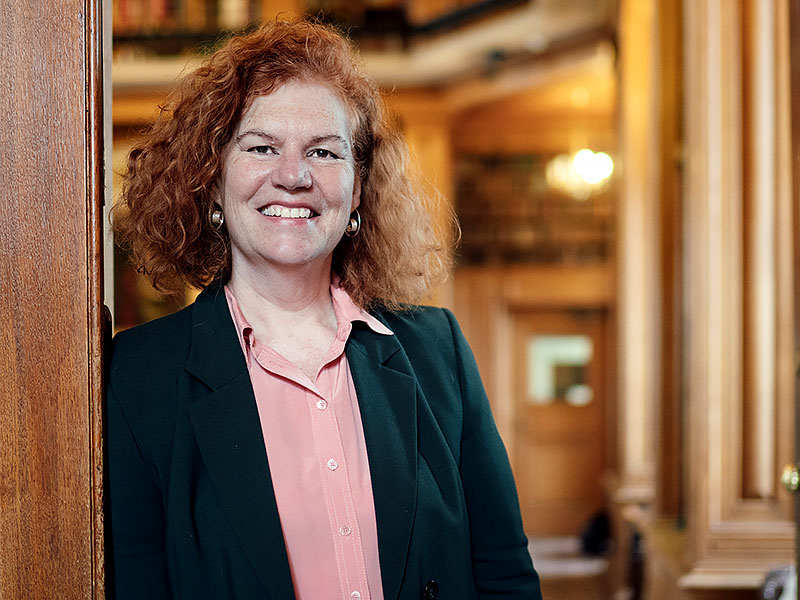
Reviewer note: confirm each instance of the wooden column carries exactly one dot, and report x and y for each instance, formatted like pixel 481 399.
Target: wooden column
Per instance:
pixel 638 251
pixel 739 291
pixel 794 59
pixel 425 119
pixel 51 184
pixel 639 279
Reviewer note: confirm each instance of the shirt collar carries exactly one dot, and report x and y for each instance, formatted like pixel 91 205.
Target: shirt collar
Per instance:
pixel 348 311
pixel 345 309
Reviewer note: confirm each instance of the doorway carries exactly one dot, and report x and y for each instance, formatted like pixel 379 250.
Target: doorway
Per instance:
pixel 559 452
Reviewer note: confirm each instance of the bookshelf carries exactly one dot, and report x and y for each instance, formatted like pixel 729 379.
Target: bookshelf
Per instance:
pixel 509 214
pixel 157 28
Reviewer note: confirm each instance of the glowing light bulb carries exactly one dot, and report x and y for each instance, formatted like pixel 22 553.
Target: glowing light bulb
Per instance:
pixel 593 168
pixel 580 175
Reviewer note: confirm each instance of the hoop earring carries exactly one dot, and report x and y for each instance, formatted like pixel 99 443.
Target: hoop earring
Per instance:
pixel 216 217
pixel 354 226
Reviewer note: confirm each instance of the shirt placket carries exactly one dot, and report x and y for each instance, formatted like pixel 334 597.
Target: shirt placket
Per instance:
pixel 336 487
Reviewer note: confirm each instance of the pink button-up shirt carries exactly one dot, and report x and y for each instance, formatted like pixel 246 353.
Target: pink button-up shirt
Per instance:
pixel 318 461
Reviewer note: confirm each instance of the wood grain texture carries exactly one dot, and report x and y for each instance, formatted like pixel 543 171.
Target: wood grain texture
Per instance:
pixel 50 300
pixel 729 531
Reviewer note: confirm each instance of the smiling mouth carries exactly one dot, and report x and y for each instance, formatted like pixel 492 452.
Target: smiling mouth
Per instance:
pixel 276 210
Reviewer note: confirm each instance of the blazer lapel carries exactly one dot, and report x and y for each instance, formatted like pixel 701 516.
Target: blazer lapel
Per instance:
pixel 387 398
pixel 228 433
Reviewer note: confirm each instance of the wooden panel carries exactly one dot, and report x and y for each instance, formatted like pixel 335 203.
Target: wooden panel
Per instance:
pixel 767 245
pixel 484 300
pixel 559 443
pixel 739 237
pixel 51 299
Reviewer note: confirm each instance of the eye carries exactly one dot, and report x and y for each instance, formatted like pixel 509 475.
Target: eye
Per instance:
pixel 262 150
pixel 322 153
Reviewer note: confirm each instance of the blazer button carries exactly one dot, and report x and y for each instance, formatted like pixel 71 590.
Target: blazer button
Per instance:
pixel 430 591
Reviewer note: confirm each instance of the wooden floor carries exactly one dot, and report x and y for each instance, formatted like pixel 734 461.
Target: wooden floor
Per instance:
pixel 565 573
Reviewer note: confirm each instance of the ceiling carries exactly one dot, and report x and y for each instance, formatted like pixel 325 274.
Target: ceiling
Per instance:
pixel 557 56
pixel 537 28
pixel 531 31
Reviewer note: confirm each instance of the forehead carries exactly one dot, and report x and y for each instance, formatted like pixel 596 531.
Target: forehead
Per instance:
pixel 299 104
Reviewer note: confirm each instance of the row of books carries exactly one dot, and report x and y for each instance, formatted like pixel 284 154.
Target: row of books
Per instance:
pixel 154 17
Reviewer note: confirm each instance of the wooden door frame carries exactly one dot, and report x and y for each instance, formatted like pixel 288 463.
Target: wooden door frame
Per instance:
pixel 51 305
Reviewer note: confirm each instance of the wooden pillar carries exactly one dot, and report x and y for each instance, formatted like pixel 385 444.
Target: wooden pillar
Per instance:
pixel 739 284
pixel 638 251
pixel 794 59
pixel 51 184
pixel 639 280
pixel 425 120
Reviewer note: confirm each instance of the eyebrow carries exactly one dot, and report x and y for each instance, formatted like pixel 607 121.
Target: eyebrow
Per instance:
pixel 315 140
pixel 330 138
pixel 256 132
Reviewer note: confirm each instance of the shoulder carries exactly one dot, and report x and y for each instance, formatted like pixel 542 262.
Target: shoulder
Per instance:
pixel 425 325
pixel 154 340
pixel 150 351
pixel 433 340
pixel 146 364
pixel 431 337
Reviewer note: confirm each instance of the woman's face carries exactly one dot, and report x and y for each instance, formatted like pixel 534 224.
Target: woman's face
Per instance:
pixel 289 180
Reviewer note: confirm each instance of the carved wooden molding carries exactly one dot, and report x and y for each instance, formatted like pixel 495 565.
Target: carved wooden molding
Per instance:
pixel 739 284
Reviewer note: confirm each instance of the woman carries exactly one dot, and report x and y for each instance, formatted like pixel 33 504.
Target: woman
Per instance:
pixel 298 431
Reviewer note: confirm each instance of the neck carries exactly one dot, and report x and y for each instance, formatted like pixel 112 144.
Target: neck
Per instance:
pixel 270 296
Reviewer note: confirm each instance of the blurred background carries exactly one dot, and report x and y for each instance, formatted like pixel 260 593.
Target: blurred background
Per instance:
pixel 623 175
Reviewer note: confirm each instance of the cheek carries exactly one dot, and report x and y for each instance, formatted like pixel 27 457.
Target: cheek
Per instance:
pixel 240 184
pixel 340 188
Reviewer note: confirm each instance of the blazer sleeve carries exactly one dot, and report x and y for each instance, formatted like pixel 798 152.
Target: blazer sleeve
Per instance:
pixel 138 558
pixel 502 564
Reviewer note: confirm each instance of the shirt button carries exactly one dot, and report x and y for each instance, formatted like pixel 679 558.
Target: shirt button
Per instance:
pixel 345 530
pixel 355 595
pixel 321 404
pixel 332 464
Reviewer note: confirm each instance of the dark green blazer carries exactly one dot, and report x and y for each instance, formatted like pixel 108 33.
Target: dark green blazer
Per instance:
pixel 192 508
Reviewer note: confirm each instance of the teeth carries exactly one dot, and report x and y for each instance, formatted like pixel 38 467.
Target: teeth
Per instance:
pixel 275 210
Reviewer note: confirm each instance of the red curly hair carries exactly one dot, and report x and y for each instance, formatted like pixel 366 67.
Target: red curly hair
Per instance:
pixel 172 176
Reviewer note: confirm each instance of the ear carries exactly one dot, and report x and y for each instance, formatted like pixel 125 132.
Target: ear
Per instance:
pixel 356 193
pixel 216 194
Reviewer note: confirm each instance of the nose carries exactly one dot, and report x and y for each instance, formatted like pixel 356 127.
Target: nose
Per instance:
pixel 291 172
